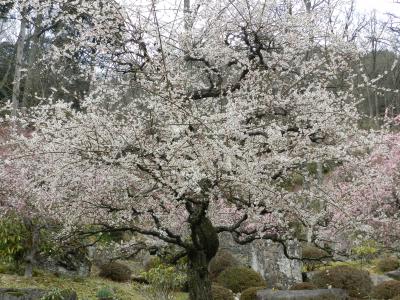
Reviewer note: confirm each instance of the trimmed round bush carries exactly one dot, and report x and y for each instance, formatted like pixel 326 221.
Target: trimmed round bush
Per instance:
pixel 312 256
pixel 105 293
pixel 386 290
pixel 238 279
pixel 312 252
pixel 221 293
pixel 115 271
pixel 388 264
pixel 220 262
pixel 303 286
pixel 250 293
pixel 357 282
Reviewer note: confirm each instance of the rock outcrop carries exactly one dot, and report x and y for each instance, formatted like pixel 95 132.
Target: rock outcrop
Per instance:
pixel 268 259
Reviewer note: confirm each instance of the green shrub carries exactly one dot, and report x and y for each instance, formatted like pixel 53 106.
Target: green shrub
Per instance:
pixel 220 262
pixel 357 282
pixel 387 264
pixel 221 293
pixel 303 286
pixel 238 279
pixel 105 293
pixel 250 293
pixel 163 281
pixel 366 251
pixel 312 257
pixel 13 239
pixel 115 271
pixel 11 268
pixel 166 276
pixel 153 262
pixel 386 290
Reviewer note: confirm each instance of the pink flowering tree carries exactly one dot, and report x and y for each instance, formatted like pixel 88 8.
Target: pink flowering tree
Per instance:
pixel 17 204
pixel 200 133
pixel 366 189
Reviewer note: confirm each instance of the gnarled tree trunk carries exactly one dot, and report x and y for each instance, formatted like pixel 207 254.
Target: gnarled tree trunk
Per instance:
pixel 198 278
pixel 205 246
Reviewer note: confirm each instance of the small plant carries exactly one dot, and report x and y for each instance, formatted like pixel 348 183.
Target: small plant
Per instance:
pixel 366 251
pixel 115 271
pixel 357 282
pixel 221 293
pixel 239 279
pixel 250 293
pixel 303 286
pixel 105 293
pixel 387 290
pixel 387 264
pixel 220 262
pixel 59 294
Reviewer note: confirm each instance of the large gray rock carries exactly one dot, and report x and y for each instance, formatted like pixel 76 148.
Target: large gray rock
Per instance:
pixel 69 264
pixel 308 276
pixel 394 274
pixel 268 259
pixel 378 279
pixel 31 294
pixel 326 294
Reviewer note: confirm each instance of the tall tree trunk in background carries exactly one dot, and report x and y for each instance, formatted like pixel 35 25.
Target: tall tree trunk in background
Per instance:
pixel 373 100
pixel 18 64
pixel 370 104
pixel 33 55
pixel 186 15
pixel 308 5
pixel 33 246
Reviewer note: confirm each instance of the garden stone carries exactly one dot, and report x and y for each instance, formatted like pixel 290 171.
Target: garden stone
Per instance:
pixel 328 294
pixel 394 274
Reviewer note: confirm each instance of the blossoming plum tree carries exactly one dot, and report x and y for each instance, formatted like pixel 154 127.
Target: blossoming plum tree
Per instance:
pixel 367 190
pixel 224 114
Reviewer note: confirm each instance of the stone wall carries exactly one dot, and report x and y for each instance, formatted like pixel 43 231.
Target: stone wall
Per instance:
pixel 268 259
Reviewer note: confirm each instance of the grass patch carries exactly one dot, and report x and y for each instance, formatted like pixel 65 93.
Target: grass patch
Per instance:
pixel 86 288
